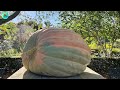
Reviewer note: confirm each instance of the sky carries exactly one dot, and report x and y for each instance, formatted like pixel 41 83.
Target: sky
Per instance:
pixel 53 19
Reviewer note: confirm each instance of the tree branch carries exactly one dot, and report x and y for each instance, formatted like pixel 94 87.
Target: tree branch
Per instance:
pixel 9 18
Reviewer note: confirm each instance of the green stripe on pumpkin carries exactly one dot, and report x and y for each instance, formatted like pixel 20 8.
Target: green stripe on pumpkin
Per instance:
pixel 65 53
pixel 57 67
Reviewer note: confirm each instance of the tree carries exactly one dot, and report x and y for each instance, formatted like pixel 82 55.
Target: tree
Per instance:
pixel 47 24
pixel 20 23
pixel 103 27
pixel 3 27
pixel 40 25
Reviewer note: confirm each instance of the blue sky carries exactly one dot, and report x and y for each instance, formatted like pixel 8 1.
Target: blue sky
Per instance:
pixel 53 19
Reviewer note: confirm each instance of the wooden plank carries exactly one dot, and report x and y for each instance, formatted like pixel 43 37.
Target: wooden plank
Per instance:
pixel 24 74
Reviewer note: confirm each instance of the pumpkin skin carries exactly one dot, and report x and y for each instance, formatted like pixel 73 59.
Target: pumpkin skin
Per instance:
pixel 56 52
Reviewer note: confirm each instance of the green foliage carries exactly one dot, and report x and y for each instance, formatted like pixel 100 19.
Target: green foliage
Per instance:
pixel 102 27
pixel 93 45
pixel 47 24
pixel 13 42
pixel 40 25
pixel 116 49
pixel 31 23
pixel 10 53
pixel 21 23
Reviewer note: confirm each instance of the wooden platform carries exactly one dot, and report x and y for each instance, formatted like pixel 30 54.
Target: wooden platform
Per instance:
pixel 24 74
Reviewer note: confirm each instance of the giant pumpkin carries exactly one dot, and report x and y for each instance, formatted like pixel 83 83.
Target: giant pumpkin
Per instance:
pixel 56 52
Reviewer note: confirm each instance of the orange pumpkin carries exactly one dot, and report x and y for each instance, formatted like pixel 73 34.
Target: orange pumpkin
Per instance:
pixel 56 52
